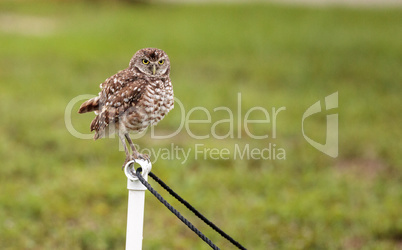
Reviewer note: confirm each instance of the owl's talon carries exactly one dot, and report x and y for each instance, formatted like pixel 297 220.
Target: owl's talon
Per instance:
pixel 144 157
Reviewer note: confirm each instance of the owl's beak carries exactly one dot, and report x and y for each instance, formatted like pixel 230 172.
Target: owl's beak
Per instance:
pixel 153 69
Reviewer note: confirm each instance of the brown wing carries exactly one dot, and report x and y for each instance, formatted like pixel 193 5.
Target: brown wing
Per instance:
pixel 119 93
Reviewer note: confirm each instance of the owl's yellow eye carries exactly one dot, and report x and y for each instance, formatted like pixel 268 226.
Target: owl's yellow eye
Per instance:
pixel 161 62
pixel 145 61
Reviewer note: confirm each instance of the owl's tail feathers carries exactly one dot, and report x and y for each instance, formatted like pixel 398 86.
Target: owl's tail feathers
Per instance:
pixel 89 106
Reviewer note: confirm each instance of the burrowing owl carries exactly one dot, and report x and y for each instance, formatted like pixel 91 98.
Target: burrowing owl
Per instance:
pixel 134 98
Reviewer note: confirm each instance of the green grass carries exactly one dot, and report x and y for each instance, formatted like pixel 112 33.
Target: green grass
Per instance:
pixel 61 192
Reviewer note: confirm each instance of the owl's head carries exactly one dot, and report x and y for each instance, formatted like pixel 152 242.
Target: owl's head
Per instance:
pixel 151 61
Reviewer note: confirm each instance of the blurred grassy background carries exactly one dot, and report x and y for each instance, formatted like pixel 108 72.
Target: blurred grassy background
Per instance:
pixel 61 192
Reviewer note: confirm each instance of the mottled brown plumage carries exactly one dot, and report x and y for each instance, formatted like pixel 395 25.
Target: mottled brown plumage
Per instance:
pixel 134 98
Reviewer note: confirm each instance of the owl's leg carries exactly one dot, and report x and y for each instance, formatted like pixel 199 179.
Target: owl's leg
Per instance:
pixel 136 154
pixel 128 156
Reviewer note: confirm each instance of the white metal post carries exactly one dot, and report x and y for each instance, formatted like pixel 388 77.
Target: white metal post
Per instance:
pixel 136 200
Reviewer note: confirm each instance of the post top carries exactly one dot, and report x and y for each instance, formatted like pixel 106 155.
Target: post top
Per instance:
pixel 130 171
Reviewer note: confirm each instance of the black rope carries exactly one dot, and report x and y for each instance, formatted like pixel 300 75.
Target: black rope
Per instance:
pixel 174 211
pixel 198 214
